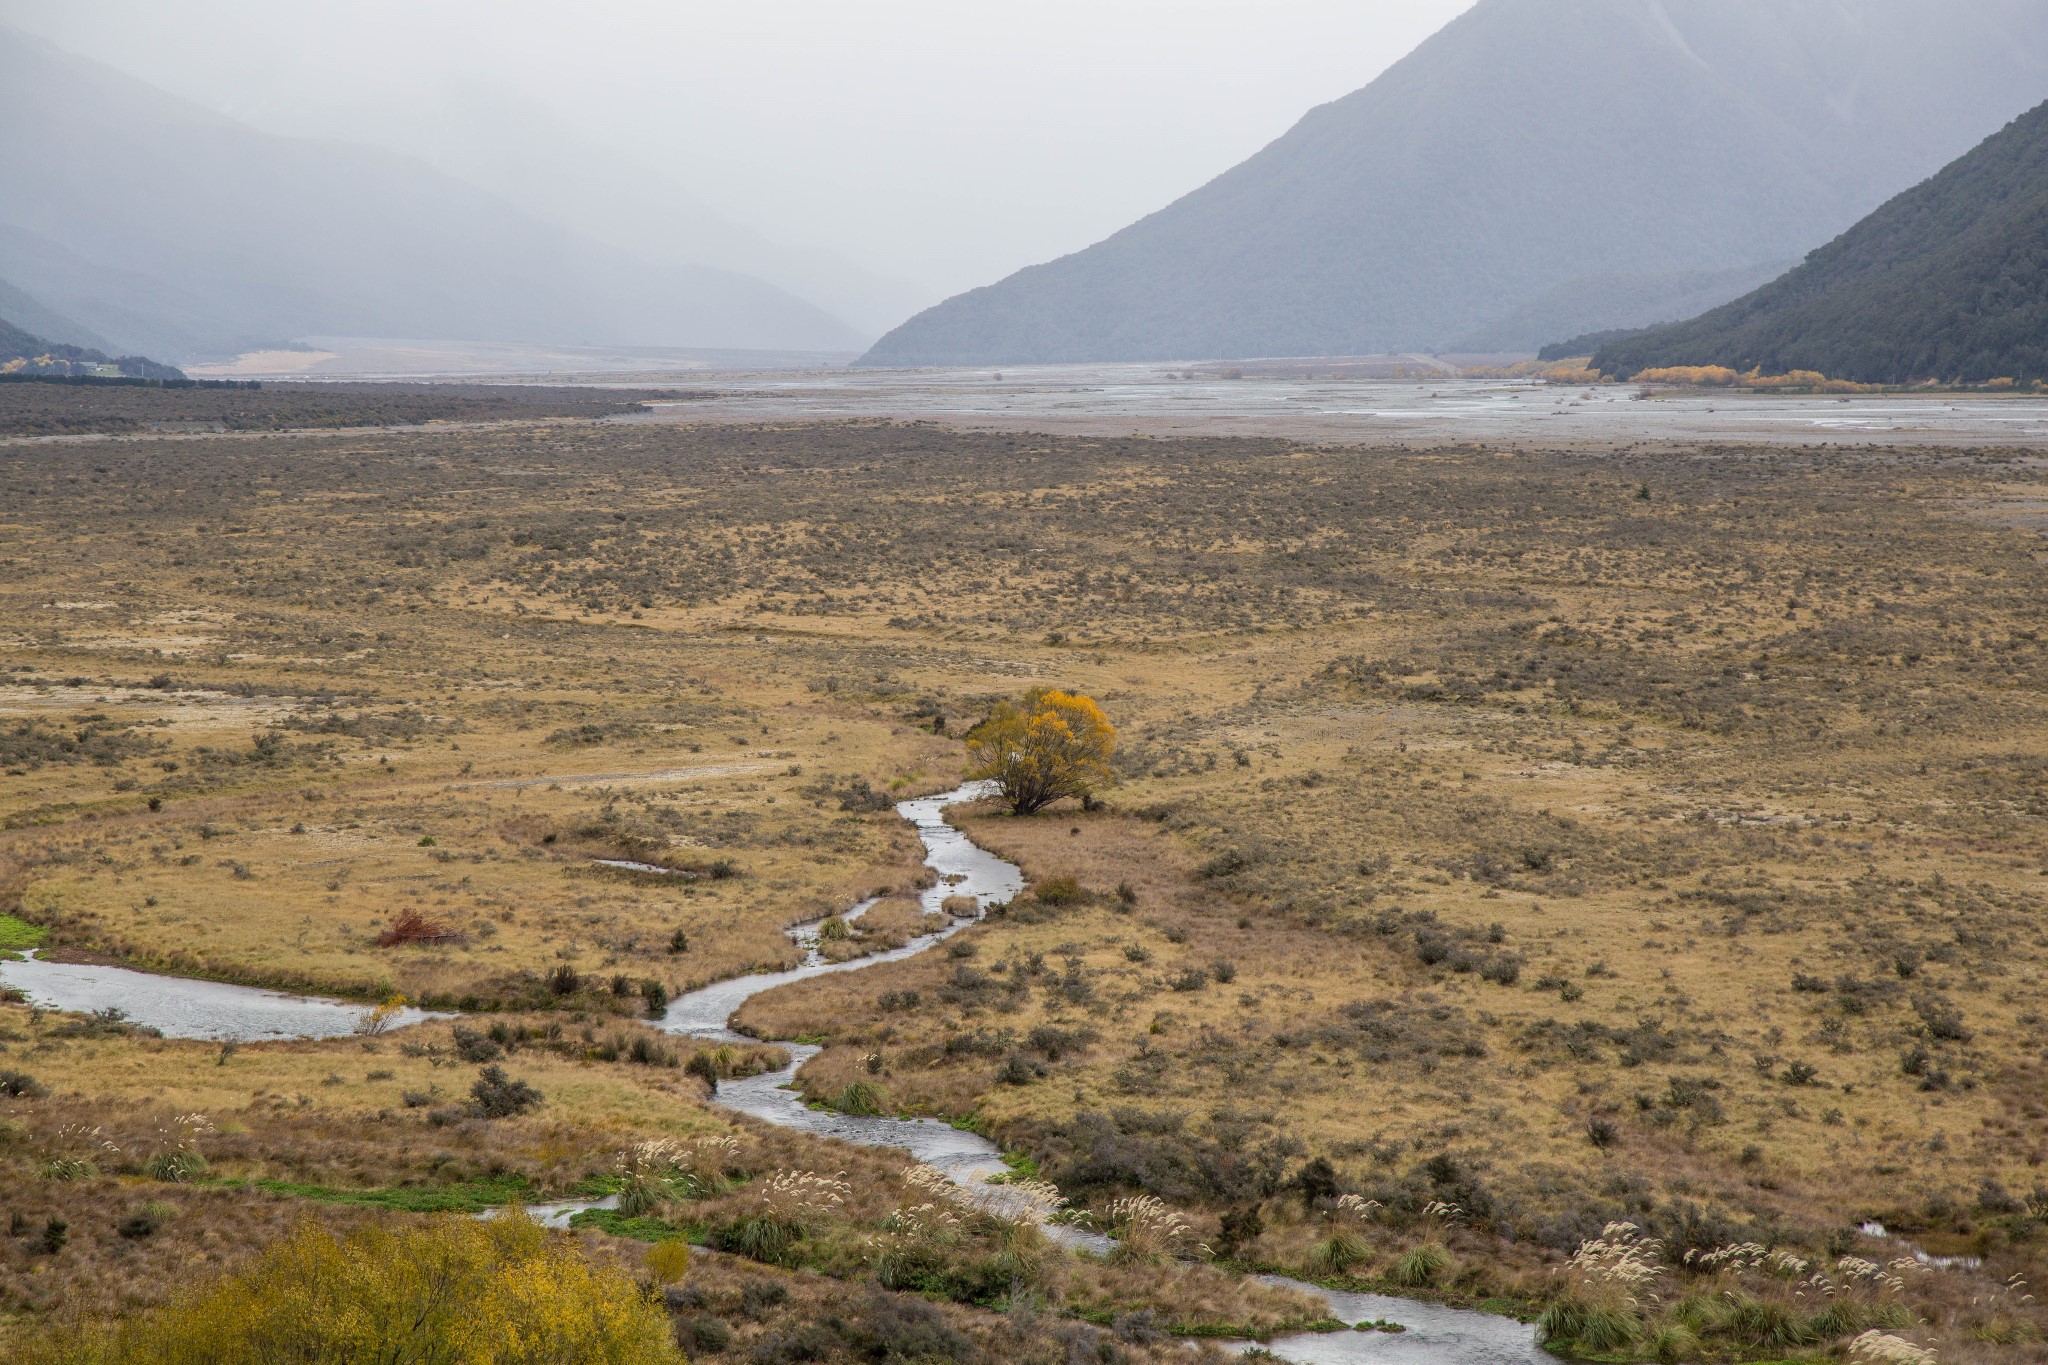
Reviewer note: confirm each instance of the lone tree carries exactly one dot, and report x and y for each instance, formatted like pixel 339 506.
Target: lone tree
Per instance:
pixel 1049 745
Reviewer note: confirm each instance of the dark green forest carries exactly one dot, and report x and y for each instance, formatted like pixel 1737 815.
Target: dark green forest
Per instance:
pixel 1947 282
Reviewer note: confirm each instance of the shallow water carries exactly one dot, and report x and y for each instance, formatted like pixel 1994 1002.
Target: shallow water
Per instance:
pixel 184 1008
pixel 1436 1335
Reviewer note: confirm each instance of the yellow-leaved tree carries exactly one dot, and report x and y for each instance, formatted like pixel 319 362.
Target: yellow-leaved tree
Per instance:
pixel 456 1292
pixel 1049 745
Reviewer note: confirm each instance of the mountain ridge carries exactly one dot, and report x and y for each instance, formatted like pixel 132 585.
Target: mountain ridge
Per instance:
pixel 1500 162
pixel 1948 282
pixel 212 237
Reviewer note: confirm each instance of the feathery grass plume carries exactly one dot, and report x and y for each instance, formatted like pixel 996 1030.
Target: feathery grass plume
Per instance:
pixel 915 1244
pixel 1422 1266
pixel 1734 1258
pixel 1146 1231
pixel 1029 1203
pixel 77 1151
pixel 787 1207
pixel 933 1183
pixel 177 1158
pixel 646 1170
pixel 802 1195
pixel 1881 1348
pixel 707 1163
pixel 1610 1275
pixel 1343 1247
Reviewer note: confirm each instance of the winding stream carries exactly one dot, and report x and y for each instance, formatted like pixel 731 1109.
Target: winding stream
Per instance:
pixel 1436 1335
pixel 183 1008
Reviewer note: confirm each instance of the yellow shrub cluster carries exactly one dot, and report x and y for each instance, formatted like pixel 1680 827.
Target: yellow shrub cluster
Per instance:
pixel 1720 376
pixel 1714 375
pixel 462 1291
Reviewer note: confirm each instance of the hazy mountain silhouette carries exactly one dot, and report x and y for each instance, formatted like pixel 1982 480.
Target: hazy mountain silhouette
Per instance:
pixel 24 353
pixel 1948 281
pixel 500 140
pixel 1538 168
pixel 164 227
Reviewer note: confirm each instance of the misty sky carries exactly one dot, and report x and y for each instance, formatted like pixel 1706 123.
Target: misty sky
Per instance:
pixel 943 143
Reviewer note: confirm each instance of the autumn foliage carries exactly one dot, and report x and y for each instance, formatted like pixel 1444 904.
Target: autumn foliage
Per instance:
pixel 462 1291
pixel 1049 745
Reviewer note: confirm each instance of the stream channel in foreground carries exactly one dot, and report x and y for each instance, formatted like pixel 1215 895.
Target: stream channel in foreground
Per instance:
pixel 181 1008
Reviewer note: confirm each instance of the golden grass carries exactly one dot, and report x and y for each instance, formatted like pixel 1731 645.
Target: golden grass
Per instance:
pixel 1737 756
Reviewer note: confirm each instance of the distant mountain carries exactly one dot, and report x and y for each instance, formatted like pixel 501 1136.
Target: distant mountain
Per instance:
pixel 1948 281
pixel 29 315
pixel 1539 168
pixel 24 353
pixel 165 227
pixel 508 144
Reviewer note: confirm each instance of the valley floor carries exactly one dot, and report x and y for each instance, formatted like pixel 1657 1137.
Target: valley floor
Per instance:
pixel 1569 835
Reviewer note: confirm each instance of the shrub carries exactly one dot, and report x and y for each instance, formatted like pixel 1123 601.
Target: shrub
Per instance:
pixel 861 1097
pixel 20 1085
pixel 56 1233
pixel 1337 1253
pixel 563 980
pixel 459 1289
pixel 1237 1229
pixel 759 1237
pixel 703 1334
pixel 679 941
pixel 1943 1020
pixel 472 1046
pixel 668 1260
pixel 1503 970
pixel 144 1222
pixel 1059 891
pixel 413 927
pixel 497 1096
pixel 655 996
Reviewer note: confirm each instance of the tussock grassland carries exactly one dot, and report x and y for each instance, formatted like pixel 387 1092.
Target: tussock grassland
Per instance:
pixel 1566 837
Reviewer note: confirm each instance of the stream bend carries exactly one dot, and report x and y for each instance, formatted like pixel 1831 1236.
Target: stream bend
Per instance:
pixel 1436 1335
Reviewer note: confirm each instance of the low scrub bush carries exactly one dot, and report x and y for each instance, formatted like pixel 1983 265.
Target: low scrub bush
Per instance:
pixel 497 1096
pixel 456 1290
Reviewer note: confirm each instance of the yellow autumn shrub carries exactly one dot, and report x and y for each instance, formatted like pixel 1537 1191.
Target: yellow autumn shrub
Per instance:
pixel 458 1292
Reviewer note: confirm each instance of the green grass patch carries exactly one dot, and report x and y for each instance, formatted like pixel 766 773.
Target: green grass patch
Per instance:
pixel 1022 1165
pixel 639 1229
pixel 472 1196
pixel 17 934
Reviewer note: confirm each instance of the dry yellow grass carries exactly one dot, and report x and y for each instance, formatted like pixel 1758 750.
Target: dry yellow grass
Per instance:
pixel 1573 835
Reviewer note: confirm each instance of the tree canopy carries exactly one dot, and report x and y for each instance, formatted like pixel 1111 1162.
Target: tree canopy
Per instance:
pixel 1049 745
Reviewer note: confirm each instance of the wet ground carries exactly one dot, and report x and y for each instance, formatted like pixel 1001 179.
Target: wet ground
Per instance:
pixel 1160 400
